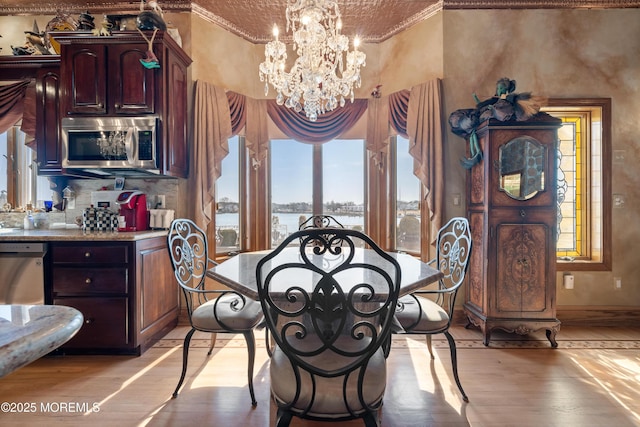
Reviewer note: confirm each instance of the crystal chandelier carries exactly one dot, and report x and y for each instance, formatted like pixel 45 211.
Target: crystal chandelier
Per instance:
pixel 325 72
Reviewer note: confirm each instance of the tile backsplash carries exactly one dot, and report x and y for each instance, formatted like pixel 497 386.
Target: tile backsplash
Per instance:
pixel 86 193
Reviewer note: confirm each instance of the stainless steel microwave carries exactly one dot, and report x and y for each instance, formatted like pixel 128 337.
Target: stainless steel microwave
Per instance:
pixel 108 145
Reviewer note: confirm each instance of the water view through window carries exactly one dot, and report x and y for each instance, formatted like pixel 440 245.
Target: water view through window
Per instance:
pixel 337 176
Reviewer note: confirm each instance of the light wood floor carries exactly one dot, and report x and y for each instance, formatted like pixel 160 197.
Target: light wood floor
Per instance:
pixel 590 380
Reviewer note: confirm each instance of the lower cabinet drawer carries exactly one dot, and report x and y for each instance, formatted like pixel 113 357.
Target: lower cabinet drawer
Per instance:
pixel 72 253
pixel 74 281
pixel 105 323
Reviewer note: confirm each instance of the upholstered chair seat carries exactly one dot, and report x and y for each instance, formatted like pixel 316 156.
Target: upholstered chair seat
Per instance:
pixel 432 317
pixel 330 399
pixel 246 318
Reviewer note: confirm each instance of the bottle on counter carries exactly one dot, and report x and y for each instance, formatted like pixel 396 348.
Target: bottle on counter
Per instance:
pixel 29 223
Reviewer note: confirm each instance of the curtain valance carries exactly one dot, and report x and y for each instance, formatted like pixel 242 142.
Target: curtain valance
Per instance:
pixel 329 125
pixel 12 103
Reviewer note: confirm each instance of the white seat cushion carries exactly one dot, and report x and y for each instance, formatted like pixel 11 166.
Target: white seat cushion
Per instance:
pixel 329 396
pixel 434 317
pixel 203 317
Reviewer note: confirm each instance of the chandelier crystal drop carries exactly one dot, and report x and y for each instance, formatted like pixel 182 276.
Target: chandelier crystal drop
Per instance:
pixel 325 71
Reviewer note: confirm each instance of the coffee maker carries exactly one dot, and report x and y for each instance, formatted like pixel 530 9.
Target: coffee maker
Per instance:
pixel 134 215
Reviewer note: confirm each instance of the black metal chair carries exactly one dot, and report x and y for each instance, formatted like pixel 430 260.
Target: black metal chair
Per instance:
pixel 330 311
pixel 429 311
pixel 210 310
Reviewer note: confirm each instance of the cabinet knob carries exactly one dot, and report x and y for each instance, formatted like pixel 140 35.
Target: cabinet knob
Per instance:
pixel 87 254
pixel 87 321
pixel 523 213
pixel 88 280
pixel 100 105
pixel 117 106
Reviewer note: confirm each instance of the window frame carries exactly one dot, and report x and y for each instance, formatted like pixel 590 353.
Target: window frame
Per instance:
pixel 242 201
pixel 393 196
pixel 24 185
pixel 11 162
pixel 605 261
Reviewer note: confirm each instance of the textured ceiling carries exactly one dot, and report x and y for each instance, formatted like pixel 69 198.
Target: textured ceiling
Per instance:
pixel 371 20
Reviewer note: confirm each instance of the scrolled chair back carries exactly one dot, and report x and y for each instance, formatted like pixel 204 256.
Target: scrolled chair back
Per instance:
pixel 329 305
pixel 453 251
pixel 189 253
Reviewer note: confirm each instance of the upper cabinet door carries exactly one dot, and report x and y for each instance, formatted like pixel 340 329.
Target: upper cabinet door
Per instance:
pixel 84 71
pixel 176 154
pixel 48 116
pixel 131 84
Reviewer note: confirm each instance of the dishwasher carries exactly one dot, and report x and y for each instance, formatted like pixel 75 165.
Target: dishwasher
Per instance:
pixel 22 272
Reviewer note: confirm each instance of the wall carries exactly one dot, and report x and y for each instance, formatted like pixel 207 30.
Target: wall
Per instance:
pixel 412 57
pixel 559 53
pixel 12 29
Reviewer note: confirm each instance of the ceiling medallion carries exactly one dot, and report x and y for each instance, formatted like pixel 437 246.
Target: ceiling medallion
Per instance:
pixel 325 71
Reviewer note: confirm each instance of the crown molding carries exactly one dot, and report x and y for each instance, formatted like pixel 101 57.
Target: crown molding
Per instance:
pixel 540 4
pixel 33 7
pixel 111 8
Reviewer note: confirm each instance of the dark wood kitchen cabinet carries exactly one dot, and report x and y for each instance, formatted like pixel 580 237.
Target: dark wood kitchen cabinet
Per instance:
pixel 512 209
pixel 103 77
pixel 126 292
pixel 48 116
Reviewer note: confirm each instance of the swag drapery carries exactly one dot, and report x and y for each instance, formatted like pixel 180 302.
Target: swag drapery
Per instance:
pixel 415 114
pixel 18 101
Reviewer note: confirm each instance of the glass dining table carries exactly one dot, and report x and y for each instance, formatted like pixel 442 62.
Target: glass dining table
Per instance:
pixel 239 272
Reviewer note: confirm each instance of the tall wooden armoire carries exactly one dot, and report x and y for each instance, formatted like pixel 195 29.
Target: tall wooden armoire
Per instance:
pixel 512 209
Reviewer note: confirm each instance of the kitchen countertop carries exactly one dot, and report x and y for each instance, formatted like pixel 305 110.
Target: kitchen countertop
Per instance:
pixel 46 235
pixel 28 332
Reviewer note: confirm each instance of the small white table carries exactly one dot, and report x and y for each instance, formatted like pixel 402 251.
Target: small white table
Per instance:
pixel 239 272
pixel 28 332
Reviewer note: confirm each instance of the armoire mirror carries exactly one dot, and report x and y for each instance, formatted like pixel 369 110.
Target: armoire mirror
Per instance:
pixel 521 166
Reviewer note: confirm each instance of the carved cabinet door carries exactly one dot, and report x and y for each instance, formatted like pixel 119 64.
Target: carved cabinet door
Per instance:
pixel 132 85
pixel 84 71
pixel 521 269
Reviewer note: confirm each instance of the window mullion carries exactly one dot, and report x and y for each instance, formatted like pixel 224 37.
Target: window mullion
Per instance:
pixel 318 207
